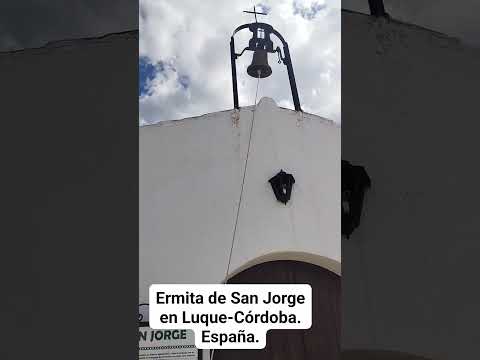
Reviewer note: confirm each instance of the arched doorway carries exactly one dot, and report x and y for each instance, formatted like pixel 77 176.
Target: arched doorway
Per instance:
pixel 322 340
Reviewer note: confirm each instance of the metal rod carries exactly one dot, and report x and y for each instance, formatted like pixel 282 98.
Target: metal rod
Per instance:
pixel 234 73
pixel 291 77
pixel 377 8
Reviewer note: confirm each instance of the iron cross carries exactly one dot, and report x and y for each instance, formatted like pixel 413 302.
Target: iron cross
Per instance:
pixel 255 12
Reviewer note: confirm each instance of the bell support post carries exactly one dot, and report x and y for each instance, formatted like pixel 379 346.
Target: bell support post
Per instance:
pixel 234 73
pixel 291 78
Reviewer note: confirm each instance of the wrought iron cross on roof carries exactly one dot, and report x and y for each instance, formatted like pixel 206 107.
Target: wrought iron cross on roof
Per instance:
pixel 255 12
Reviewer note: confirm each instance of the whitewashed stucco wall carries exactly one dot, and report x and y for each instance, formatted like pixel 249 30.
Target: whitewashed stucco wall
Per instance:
pixel 409 272
pixel 191 172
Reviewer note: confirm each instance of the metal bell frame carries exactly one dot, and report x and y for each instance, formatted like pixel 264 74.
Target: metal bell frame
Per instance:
pixel 263 43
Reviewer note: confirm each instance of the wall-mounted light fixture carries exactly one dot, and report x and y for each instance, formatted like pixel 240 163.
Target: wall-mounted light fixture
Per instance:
pixel 282 184
pixel 355 181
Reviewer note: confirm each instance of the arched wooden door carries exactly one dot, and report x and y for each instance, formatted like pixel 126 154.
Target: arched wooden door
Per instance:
pixel 322 340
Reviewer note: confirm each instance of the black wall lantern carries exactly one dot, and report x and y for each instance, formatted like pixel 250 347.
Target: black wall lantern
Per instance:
pixel 282 185
pixel 261 45
pixel 355 181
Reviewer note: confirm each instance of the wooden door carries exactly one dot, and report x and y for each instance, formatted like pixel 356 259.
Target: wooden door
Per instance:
pixel 322 340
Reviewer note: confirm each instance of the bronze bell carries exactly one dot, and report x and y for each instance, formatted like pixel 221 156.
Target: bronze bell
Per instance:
pixel 259 66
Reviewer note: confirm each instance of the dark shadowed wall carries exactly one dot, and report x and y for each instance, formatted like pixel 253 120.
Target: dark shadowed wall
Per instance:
pixel 410 117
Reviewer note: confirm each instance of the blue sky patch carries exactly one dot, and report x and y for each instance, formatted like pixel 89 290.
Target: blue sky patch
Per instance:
pixel 146 73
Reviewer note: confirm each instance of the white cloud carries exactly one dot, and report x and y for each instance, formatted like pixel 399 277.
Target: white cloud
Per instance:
pixel 193 38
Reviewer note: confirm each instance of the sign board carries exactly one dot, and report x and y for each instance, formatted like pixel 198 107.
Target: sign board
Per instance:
pixel 164 344
pixel 167 344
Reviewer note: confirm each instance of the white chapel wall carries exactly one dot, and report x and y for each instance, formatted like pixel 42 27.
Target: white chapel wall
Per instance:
pixel 190 179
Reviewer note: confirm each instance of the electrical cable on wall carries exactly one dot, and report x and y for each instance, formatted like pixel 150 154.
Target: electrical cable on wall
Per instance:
pixel 225 281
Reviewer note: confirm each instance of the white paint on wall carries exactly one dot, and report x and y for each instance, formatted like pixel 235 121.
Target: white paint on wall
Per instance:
pixel 191 175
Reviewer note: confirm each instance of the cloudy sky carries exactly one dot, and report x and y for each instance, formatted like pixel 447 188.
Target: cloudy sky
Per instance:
pixel 185 42
pixel 185 56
